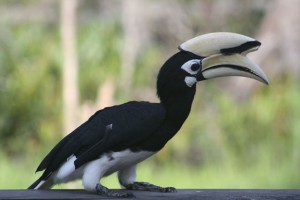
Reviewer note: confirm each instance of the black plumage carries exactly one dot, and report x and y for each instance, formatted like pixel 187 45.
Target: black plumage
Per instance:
pixel 119 137
pixel 138 126
pixel 135 120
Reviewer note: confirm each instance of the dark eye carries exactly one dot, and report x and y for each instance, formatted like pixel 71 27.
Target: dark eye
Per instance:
pixel 195 67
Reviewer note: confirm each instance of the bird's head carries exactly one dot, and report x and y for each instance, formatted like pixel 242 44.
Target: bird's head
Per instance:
pixel 208 56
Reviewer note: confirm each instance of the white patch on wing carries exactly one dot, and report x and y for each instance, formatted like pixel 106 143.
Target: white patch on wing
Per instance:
pixel 109 127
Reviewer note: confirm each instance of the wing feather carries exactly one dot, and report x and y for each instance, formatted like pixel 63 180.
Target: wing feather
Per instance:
pixel 131 122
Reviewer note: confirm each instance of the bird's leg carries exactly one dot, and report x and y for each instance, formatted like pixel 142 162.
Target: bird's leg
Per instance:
pixel 149 187
pixel 104 191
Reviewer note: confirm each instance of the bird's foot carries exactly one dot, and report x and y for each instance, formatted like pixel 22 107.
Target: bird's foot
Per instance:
pixel 104 191
pixel 149 187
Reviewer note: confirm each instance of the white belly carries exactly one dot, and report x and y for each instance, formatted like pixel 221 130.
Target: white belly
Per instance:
pixel 110 163
pixel 115 161
pixel 93 171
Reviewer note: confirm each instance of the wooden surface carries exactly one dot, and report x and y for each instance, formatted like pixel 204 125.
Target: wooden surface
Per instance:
pixel 181 194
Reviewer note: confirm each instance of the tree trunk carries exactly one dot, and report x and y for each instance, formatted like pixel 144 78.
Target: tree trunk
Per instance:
pixel 132 27
pixel 70 66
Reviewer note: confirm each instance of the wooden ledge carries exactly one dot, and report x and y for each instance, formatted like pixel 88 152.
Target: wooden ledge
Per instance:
pixel 205 194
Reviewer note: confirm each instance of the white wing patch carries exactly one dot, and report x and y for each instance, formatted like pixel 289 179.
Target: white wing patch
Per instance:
pixel 109 127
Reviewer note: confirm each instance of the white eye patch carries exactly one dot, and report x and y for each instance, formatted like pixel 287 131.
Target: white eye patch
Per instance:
pixel 188 66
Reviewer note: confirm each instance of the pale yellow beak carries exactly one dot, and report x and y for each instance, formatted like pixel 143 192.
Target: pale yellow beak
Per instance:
pixel 224 54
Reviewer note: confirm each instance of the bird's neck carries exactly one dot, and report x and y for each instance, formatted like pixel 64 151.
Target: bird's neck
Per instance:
pixel 178 109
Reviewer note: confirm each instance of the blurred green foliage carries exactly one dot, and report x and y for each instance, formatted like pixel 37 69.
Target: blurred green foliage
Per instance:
pixel 98 51
pixel 224 143
pixel 30 77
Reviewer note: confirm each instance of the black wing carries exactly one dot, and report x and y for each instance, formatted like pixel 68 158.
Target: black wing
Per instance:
pixel 113 128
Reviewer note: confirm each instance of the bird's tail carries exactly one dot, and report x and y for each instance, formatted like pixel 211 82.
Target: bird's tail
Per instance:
pixel 37 184
pixel 41 184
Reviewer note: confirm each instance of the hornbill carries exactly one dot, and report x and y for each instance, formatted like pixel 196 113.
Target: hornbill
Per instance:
pixel 117 138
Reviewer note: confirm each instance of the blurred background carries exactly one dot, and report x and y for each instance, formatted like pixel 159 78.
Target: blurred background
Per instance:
pixel 60 61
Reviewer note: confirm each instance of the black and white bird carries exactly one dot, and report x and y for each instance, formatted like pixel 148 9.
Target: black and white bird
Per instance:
pixel 117 138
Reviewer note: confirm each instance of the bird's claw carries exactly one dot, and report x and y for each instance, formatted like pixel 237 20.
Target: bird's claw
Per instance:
pixel 104 191
pixel 169 189
pixel 149 187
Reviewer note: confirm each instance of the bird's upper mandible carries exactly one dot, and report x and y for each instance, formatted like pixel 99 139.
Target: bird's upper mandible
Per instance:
pixel 220 43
